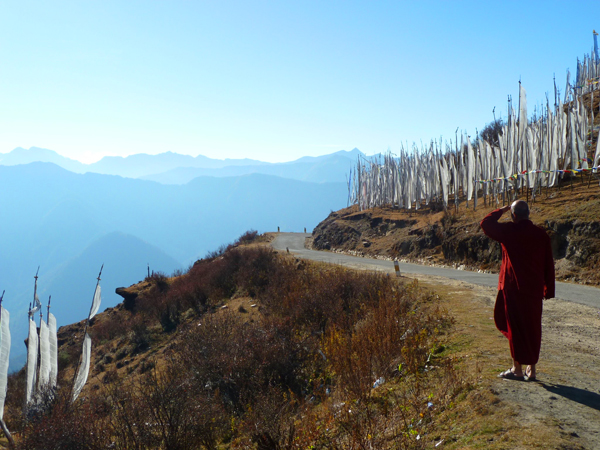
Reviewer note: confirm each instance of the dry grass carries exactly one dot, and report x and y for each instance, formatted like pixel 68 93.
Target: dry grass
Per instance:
pixel 271 375
pixel 479 419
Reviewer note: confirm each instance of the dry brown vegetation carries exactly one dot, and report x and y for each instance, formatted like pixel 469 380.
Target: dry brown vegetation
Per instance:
pixel 268 352
pixel 254 350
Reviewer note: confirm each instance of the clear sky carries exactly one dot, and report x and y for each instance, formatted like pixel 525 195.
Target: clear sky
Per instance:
pixel 273 80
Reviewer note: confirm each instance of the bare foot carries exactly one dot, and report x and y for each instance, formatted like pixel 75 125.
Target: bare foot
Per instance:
pixel 530 372
pixel 517 369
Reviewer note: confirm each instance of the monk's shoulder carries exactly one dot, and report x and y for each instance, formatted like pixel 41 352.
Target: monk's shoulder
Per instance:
pixel 540 231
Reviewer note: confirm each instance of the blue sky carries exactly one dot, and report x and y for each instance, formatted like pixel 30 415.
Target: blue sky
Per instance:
pixel 273 80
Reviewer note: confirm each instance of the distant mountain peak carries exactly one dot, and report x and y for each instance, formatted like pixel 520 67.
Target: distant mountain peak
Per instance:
pixel 355 152
pixel 182 168
pixel 21 155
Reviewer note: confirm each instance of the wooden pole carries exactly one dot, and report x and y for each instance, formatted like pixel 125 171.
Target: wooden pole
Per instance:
pixel 11 441
pixel 87 323
pixel 9 437
pixel 35 286
pixel 571 180
pixel 31 315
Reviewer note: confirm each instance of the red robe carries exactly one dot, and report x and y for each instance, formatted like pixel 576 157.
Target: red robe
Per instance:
pixel 526 278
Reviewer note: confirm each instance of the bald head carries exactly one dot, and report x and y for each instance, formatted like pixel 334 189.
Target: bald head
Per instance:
pixel 519 210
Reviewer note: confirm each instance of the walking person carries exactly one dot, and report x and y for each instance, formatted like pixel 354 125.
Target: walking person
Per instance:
pixel 526 278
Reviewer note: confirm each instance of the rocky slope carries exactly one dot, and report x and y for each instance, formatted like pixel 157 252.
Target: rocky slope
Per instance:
pixel 570 214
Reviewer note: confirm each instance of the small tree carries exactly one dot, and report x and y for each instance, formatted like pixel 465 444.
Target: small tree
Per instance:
pixel 491 132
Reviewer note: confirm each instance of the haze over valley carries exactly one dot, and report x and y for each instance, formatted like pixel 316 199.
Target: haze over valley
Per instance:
pixel 70 222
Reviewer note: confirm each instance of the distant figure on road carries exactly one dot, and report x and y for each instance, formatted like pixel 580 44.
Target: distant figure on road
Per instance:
pixel 526 278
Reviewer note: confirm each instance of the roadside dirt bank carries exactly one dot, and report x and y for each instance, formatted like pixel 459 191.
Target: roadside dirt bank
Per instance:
pixel 562 409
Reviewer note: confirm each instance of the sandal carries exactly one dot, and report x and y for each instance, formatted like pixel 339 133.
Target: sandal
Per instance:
pixel 529 377
pixel 510 375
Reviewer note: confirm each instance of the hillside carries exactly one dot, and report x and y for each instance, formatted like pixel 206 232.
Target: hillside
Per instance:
pixel 570 215
pixel 251 349
pixel 569 210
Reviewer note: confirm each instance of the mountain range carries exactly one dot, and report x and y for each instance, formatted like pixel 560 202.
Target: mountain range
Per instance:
pixel 174 168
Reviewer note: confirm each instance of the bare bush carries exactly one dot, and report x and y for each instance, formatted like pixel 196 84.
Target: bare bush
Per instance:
pixel 270 423
pixel 301 371
pixel 160 281
pixel 65 426
pixel 242 360
pixel 107 330
pixel 164 409
pixel 247 238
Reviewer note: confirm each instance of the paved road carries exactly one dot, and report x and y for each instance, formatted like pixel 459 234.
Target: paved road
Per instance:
pixel 584 295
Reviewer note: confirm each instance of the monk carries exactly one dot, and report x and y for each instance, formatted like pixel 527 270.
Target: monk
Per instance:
pixel 526 278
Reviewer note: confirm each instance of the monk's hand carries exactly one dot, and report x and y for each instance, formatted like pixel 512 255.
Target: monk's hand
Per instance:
pixel 504 209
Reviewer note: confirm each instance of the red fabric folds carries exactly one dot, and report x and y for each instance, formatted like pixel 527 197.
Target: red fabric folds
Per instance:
pixel 526 277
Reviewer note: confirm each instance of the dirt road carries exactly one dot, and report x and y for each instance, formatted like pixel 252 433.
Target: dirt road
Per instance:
pixel 562 409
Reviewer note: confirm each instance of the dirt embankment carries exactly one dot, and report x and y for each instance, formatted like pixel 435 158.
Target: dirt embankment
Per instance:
pixel 570 215
pixel 560 411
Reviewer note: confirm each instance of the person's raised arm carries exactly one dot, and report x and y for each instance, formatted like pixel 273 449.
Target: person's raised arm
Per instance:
pixel 490 225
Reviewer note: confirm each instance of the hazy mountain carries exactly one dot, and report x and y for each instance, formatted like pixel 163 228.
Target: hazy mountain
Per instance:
pixel 71 285
pixel 133 166
pixel 352 154
pixel 52 212
pixel 51 217
pixel 174 168
pixel 136 166
pixel 35 154
pixel 328 168
pixel 126 260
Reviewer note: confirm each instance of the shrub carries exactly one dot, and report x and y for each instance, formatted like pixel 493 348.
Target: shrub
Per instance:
pixel 164 409
pixel 241 360
pixel 396 331
pixel 190 291
pixel 325 334
pixel 107 330
pixel 159 280
pixel 318 297
pixel 140 335
pixel 15 394
pixel 269 424
pixel 255 271
pixel 65 426
pixel 247 238
pixel 64 359
pixel 170 317
pixel 220 251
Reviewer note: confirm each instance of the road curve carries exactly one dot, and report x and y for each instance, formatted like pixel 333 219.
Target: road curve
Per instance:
pixel 577 293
